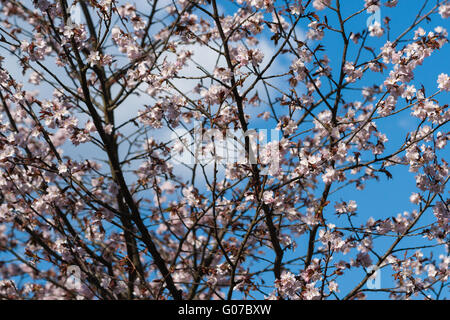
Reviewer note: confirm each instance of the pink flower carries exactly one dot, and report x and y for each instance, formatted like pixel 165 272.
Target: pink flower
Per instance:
pixel 444 82
pixel 333 286
pixel 409 92
pixel 288 284
pixel 329 175
pixel 268 197
pixel 321 4
pixel 108 128
pixel 415 198
pixel 444 10
pixel 352 72
pixel 372 5
pixel 376 30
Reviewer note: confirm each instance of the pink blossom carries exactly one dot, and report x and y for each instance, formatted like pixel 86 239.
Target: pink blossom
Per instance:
pixel 321 4
pixel 444 82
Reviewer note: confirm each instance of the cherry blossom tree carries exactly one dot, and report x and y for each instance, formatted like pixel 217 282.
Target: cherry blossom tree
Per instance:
pixel 99 100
